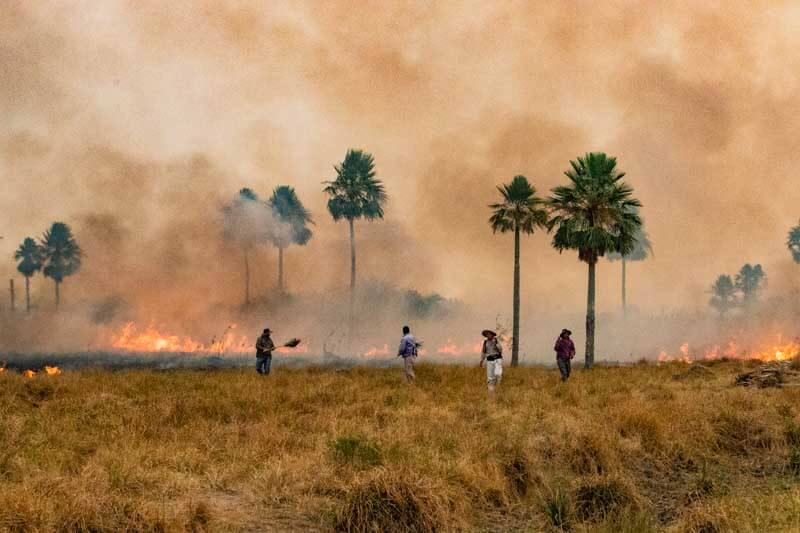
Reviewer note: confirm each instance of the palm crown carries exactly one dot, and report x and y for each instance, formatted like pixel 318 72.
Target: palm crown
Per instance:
pixel 62 255
pixel 595 214
pixel 292 215
pixel 29 255
pixel 750 280
pixel 521 208
pixel 793 242
pixel 356 193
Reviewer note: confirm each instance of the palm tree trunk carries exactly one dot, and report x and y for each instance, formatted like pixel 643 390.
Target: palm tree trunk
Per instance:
pixel 27 294
pixel 590 316
pixel 515 328
pixel 352 256
pixel 246 278
pixel 624 302
pixel 280 269
pixel 58 294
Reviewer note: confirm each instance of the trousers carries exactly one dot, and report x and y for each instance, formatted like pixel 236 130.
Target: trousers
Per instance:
pixel 263 362
pixel 494 373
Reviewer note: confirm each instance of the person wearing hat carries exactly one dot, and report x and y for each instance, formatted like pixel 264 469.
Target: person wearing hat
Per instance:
pixel 408 351
pixel 565 351
pixel 264 347
pixel 492 354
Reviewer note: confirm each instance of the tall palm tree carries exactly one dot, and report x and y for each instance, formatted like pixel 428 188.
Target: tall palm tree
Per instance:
pixel 595 214
pixel 750 280
pixel 642 249
pixel 61 253
pixel 521 211
pixel 723 295
pixel 793 243
pixel 292 219
pixel 246 222
pixel 29 255
pixel 355 193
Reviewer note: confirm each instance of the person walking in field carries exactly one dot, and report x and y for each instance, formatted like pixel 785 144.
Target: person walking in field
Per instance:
pixel 565 351
pixel 264 347
pixel 408 351
pixel 492 355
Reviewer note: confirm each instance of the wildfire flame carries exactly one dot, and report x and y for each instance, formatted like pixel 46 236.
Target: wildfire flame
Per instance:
pixel 377 351
pixel 52 370
pixel 150 339
pixel 451 348
pixel 29 373
pixel 777 351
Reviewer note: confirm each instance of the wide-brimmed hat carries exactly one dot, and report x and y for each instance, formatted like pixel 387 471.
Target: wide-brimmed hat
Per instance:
pixel 565 330
pixel 488 332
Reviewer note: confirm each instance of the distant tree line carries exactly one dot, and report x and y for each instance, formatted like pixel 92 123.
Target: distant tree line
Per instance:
pixel 728 292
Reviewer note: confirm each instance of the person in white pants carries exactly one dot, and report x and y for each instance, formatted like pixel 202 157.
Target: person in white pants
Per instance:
pixel 492 354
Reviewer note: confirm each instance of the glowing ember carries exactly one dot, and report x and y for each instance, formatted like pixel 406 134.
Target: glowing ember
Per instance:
pixel 52 370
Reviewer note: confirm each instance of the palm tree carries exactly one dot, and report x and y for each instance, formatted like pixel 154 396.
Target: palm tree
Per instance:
pixel 793 243
pixel 61 254
pixel 355 193
pixel 29 255
pixel 595 214
pixel 521 211
pixel 292 218
pixel 642 249
pixel 723 295
pixel 750 280
pixel 246 222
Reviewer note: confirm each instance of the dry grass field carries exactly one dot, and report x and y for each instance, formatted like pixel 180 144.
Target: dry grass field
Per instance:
pixel 616 449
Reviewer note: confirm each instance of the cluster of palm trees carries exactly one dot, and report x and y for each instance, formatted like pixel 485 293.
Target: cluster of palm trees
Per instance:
pixel 742 290
pixel 595 214
pixel 282 220
pixel 56 255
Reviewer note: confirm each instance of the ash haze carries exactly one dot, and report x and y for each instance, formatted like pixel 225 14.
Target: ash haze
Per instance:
pixel 135 122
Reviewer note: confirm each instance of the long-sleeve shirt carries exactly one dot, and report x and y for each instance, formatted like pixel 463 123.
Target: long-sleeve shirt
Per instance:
pixel 264 345
pixel 491 348
pixel 565 348
pixel 408 346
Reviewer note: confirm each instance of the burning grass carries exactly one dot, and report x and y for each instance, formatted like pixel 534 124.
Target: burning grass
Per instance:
pixel 616 449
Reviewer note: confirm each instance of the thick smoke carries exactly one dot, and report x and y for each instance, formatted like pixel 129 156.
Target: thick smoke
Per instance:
pixel 137 122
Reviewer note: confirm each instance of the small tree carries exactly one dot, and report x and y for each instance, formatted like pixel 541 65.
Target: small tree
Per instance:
pixel 642 249
pixel 723 295
pixel 291 223
pixel 355 193
pixel 61 254
pixel 246 222
pixel 29 255
pixel 520 211
pixel 750 280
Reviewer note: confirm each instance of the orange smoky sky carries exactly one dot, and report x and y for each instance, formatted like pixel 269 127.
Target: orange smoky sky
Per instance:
pixel 136 121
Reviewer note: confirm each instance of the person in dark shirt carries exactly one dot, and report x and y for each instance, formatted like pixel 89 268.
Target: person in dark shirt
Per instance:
pixel 264 347
pixel 565 351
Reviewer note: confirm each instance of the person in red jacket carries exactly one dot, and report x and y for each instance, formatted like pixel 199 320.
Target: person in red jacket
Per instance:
pixel 565 351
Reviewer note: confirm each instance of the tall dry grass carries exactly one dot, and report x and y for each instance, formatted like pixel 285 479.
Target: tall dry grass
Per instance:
pixel 615 449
